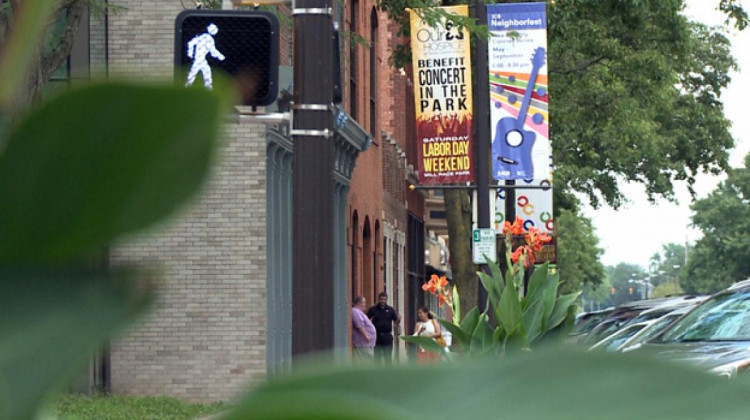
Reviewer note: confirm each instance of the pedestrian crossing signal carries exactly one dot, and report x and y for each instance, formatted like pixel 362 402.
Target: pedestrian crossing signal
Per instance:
pixel 243 45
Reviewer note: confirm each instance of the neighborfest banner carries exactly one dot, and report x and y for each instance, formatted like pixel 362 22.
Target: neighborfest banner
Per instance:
pixel 519 117
pixel 443 101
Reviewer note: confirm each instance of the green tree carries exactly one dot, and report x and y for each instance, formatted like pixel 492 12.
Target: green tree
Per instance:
pixel 667 289
pixel 634 91
pixel 668 265
pixel 596 296
pixel 722 256
pixel 578 252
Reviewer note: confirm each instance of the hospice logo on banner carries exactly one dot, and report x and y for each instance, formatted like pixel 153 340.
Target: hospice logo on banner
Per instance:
pixel 442 96
pixel 519 115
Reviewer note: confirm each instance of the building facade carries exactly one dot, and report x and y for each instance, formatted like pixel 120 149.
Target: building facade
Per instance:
pixel 222 320
pixel 386 229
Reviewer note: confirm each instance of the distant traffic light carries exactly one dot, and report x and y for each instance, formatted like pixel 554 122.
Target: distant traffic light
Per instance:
pixel 612 290
pixel 630 290
pixel 241 44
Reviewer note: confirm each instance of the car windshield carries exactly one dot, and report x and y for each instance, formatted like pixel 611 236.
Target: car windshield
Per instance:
pixel 649 315
pixel 614 341
pixel 655 328
pixel 588 324
pixel 725 317
pixel 603 330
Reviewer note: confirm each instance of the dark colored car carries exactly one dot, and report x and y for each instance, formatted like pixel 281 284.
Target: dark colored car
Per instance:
pixel 588 321
pixel 715 335
pixel 633 313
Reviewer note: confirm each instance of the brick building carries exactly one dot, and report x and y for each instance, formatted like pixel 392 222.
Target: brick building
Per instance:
pixel 223 316
pixel 385 234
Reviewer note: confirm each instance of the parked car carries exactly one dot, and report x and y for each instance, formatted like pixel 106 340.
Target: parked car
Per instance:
pixel 656 328
pixel 637 312
pixel 588 321
pixel 715 335
pixel 667 305
pixel 614 342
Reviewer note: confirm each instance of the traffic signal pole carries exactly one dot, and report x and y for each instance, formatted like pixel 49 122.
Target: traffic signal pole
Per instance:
pixel 312 167
pixel 481 135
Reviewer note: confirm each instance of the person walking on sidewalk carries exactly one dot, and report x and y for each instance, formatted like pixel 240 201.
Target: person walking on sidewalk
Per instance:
pixel 363 333
pixel 384 317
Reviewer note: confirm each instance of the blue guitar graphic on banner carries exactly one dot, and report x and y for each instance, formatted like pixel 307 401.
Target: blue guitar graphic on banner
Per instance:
pixel 511 148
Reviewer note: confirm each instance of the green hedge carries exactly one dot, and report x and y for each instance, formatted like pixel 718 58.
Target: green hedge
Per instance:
pixel 117 407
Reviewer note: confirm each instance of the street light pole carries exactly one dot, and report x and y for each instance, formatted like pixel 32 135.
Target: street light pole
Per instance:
pixel 481 134
pixel 312 167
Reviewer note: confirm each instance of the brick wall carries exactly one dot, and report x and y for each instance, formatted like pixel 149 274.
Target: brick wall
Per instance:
pixel 97 47
pixel 141 39
pixel 206 337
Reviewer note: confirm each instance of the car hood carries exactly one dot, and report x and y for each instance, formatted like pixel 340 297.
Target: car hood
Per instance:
pixel 703 354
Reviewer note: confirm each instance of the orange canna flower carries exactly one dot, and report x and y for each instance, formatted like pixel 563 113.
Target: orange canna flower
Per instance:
pixel 530 258
pixel 506 227
pixel 536 239
pixel 437 286
pixel 517 227
pixel 430 286
pixel 516 255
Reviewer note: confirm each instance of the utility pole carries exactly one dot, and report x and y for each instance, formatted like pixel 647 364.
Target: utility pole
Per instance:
pixel 312 166
pixel 482 152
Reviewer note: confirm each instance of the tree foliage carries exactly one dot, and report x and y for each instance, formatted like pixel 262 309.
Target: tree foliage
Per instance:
pixel 735 13
pixel 578 252
pixel 634 91
pixel 668 265
pixel 667 289
pixel 722 256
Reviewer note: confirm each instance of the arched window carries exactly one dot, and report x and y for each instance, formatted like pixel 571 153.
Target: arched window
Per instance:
pixel 367 279
pixel 375 264
pixel 355 244
pixel 373 72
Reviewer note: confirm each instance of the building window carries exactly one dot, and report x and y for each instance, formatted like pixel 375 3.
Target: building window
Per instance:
pixel 373 72
pixel 355 244
pixel 375 264
pixel 368 287
pixel 353 59
pixel 437 214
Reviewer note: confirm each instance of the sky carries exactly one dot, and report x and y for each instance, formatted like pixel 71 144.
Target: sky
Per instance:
pixel 638 229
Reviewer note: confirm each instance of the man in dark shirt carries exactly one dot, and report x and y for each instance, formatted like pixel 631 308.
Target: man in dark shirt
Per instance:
pixel 383 317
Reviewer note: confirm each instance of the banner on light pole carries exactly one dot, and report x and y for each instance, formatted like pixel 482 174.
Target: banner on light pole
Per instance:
pixel 441 63
pixel 519 115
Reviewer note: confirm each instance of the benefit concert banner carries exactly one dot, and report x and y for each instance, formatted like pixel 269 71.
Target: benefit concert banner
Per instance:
pixel 519 116
pixel 443 101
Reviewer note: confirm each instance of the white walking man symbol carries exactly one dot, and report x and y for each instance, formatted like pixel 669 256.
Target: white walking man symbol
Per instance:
pixel 197 49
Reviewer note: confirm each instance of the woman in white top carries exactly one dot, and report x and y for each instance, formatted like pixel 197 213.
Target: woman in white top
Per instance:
pixel 427 326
